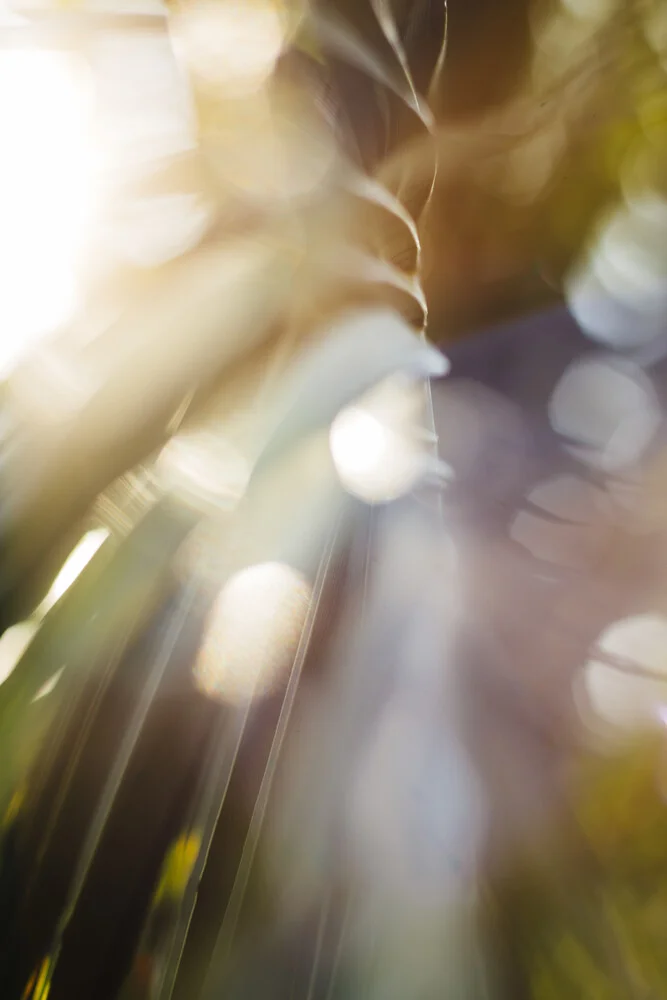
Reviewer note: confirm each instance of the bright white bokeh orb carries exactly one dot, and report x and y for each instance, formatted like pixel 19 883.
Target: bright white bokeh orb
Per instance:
pixel 618 698
pixel 253 632
pixel 377 445
pixel 609 410
pixel 232 45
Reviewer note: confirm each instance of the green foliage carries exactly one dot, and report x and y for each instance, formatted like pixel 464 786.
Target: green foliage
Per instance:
pixel 591 923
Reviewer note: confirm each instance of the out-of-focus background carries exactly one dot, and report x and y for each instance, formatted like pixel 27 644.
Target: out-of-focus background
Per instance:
pixel 333 364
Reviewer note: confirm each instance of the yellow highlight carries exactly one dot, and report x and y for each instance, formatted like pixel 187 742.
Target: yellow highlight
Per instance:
pixel 14 806
pixel 40 989
pixel 178 867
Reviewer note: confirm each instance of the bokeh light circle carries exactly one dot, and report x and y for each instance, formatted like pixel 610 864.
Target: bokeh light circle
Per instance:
pixel 377 445
pixel 253 632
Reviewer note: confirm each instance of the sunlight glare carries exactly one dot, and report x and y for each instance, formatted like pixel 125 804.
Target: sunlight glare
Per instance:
pixel 45 193
pixel 13 644
pixel 74 565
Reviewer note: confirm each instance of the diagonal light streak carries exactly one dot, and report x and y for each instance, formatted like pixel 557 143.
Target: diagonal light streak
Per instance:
pixel 227 931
